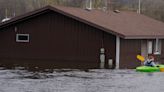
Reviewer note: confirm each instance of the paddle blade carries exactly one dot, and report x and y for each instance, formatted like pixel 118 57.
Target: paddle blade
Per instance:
pixel 162 69
pixel 141 58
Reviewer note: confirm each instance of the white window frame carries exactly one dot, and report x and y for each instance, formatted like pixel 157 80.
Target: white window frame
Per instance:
pixel 150 47
pixel 18 40
pixel 157 45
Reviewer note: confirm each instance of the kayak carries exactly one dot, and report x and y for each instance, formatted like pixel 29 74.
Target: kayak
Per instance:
pixel 157 68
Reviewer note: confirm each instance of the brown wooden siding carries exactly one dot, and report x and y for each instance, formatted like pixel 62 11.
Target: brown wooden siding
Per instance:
pixel 110 49
pixel 128 51
pixel 162 53
pixel 56 40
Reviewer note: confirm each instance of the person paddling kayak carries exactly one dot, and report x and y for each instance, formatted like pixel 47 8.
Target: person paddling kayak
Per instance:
pixel 150 61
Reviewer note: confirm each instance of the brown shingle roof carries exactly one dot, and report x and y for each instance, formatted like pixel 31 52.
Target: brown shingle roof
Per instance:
pixel 128 25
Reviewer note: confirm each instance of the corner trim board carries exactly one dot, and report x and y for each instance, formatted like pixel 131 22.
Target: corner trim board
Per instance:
pixel 117 52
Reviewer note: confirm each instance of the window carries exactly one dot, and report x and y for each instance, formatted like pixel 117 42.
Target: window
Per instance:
pixel 154 47
pixel 150 47
pixel 22 37
pixel 157 45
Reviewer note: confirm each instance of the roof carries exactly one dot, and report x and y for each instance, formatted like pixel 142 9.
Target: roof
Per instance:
pixel 127 25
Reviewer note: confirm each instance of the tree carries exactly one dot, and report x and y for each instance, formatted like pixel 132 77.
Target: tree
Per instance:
pixel 152 8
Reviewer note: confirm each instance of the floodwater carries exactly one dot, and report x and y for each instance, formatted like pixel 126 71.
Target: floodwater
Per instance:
pixel 67 80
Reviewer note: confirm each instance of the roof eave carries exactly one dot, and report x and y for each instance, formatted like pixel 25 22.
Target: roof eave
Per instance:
pixel 56 9
pixel 145 37
pixel 25 16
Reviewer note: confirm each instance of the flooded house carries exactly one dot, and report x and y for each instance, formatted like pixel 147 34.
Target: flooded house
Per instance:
pixel 67 37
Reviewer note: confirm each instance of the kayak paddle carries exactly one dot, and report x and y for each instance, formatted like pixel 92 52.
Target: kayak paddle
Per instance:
pixel 141 58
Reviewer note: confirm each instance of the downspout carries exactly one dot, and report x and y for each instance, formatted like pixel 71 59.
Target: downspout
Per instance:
pixel 117 52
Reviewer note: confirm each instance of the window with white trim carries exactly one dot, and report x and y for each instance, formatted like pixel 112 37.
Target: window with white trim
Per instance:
pixel 22 37
pixel 157 47
pixel 150 47
pixel 154 47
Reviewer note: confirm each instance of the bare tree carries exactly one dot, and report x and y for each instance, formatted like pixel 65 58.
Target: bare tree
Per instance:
pixel 152 8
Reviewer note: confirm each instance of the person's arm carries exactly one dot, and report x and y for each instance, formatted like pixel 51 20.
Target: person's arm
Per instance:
pixel 145 62
pixel 153 64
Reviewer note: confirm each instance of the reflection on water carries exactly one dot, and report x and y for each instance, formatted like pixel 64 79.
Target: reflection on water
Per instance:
pixel 21 79
pixel 150 74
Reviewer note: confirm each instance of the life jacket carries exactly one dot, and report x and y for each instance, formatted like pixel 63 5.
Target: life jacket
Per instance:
pixel 149 63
